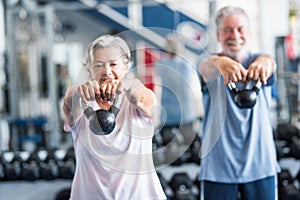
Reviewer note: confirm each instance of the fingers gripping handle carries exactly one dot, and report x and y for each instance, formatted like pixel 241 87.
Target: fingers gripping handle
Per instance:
pixel 87 110
pixel 115 108
pixel 102 122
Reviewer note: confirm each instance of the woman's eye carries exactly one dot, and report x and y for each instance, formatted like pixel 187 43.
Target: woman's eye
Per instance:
pixel 113 65
pixel 98 65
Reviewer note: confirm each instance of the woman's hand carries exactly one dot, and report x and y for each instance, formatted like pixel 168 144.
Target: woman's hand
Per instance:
pixel 88 91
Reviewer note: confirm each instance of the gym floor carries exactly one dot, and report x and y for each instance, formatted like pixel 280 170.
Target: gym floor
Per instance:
pixel 32 190
pixel 47 190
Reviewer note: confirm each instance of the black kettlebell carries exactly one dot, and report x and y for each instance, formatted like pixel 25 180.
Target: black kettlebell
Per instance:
pixel 245 98
pixel 102 122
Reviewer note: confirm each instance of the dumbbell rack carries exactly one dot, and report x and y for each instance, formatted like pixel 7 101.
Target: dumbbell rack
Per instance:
pixel 178 165
pixel 287 139
pixel 50 169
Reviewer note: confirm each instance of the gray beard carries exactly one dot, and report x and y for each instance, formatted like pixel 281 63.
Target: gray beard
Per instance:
pixel 238 57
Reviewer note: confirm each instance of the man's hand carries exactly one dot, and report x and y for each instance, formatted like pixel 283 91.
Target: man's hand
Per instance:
pixel 262 68
pixel 230 69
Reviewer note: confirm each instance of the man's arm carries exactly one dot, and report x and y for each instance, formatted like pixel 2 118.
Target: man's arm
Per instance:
pixel 227 67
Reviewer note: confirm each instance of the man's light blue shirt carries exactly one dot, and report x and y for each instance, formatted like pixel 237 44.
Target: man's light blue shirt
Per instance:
pixel 238 144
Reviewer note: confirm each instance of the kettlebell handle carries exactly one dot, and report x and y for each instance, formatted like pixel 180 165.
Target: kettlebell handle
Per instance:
pixel 114 108
pixel 245 98
pixel 232 86
pixel 102 122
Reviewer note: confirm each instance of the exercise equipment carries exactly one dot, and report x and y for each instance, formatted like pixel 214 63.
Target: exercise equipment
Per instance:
pixel 283 149
pixel 30 167
pixel 176 155
pixel 285 177
pixel 286 132
pixel 63 194
pixel 102 122
pixel 182 185
pixel 289 192
pixel 2 171
pixel 68 164
pixel 158 150
pixel 295 149
pixel 298 176
pixel 245 98
pixel 194 150
pixel 286 187
pixel 13 165
pixel 49 166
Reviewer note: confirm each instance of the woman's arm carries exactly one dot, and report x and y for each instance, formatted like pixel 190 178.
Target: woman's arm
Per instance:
pixel 139 95
pixel 71 106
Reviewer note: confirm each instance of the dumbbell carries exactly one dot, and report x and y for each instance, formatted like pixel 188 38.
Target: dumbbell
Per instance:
pixel 176 155
pixel 13 165
pixel 285 177
pixel 182 185
pixel 194 150
pixel 102 122
pixel 289 192
pixel 30 167
pixel 245 98
pixel 295 149
pixel 158 150
pixel 286 187
pixel 63 194
pixel 2 169
pixel 49 166
pixel 68 164
pixel 287 132
pixel 283 150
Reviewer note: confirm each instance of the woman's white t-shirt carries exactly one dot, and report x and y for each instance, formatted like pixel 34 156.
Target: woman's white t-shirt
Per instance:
pixel 118 166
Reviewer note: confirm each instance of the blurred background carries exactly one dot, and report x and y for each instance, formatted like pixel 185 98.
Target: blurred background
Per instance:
pixel 41 47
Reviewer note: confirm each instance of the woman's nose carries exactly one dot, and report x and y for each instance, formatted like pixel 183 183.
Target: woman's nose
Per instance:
pixel 107 68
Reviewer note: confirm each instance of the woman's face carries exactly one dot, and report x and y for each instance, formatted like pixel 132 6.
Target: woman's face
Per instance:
pixel 108 64
pixel 234 34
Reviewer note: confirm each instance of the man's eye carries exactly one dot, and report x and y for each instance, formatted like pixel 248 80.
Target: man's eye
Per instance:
pixel 241 30
pixel 227 30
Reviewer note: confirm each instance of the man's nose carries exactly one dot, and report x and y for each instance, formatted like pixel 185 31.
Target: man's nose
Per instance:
pixel 236 33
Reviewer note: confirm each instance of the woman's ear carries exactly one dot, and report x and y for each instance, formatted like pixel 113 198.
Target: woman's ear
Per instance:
pixel 89 72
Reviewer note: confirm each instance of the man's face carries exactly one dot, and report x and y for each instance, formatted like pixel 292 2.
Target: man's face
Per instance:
pixel 233 34
pixel 108 64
